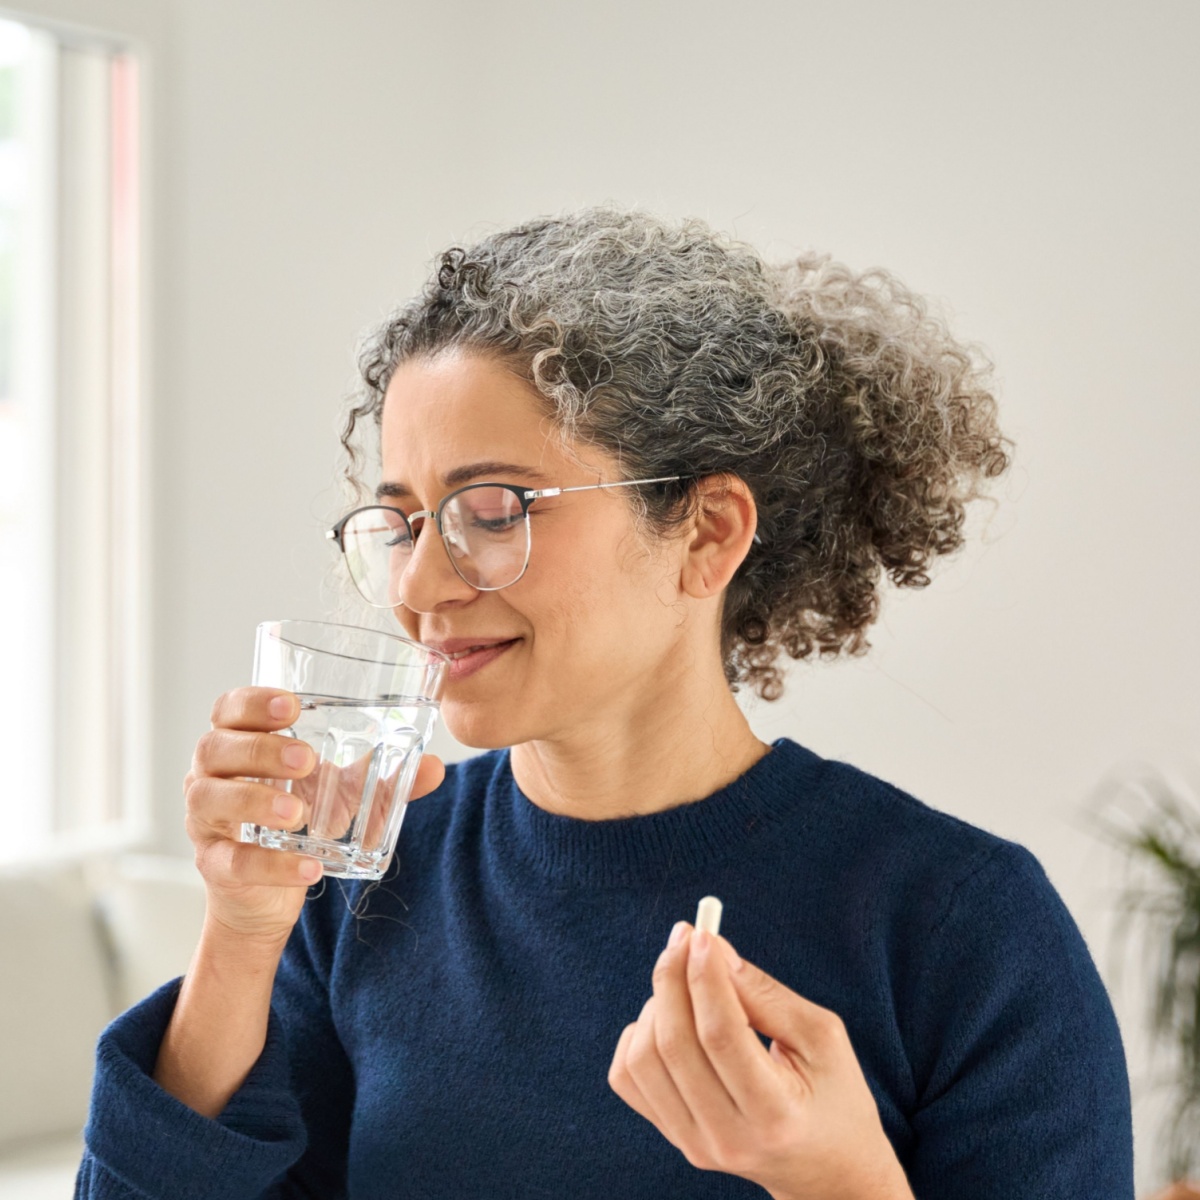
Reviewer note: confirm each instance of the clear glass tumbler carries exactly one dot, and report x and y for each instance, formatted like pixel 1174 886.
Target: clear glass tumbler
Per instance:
pixel 368 705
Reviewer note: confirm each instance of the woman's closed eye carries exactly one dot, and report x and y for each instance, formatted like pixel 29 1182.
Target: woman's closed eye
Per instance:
pixel 497 524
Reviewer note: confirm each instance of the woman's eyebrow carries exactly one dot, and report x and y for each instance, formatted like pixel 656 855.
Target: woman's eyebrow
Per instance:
pixel 465 474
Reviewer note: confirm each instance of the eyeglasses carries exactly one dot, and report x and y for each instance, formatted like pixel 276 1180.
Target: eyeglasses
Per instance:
pixel 484 527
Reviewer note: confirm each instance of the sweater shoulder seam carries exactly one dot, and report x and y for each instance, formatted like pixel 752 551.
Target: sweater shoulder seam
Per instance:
pixel 977 867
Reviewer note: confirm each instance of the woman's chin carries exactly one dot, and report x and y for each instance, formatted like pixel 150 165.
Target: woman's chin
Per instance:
pixel 478 729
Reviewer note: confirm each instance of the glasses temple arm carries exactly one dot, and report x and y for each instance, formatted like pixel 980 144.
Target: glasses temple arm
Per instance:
pixel 590 487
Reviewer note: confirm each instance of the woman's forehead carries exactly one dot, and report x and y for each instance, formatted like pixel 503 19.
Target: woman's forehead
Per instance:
pixel 459 408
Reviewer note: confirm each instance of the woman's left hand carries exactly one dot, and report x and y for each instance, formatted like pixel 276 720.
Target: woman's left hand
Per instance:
pixel 799 1120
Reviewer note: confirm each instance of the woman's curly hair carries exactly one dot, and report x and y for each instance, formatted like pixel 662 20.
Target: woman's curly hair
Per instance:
pixel 860 425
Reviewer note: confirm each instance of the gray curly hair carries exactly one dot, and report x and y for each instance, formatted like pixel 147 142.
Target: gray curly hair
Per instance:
pixel 861 427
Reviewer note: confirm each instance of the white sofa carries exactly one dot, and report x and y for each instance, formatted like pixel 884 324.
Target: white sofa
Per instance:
pixel 80 943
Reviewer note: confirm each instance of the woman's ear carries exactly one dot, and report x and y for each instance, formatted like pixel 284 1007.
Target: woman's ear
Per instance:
pixel 719 537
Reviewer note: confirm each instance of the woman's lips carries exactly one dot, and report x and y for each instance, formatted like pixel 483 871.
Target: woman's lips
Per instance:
pixel 468 664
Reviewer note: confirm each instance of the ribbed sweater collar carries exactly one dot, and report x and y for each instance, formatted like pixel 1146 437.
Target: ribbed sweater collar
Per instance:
pixel 629 850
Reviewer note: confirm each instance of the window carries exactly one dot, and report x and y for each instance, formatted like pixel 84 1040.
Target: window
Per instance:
pixel 70 438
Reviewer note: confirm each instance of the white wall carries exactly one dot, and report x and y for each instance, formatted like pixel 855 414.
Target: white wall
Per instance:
pixel 1034 165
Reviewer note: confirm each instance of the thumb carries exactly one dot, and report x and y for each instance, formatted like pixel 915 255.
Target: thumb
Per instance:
pixel 431 774
pixel 775 1010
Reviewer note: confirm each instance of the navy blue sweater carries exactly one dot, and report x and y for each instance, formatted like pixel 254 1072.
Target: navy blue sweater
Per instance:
pixel 448 1032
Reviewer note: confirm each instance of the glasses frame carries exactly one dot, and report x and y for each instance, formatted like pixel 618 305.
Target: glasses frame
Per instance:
pixel 526 496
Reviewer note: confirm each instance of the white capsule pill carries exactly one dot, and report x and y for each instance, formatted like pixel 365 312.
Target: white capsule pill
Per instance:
pixel 708 915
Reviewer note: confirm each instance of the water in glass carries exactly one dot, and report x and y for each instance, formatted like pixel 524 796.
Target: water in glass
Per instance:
pixel 367 755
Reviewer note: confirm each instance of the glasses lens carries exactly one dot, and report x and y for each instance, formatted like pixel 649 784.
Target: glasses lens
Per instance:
pixel 378 546
pixel 487 534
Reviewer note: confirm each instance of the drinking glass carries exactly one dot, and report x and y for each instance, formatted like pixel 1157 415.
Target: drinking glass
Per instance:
pixel 368 705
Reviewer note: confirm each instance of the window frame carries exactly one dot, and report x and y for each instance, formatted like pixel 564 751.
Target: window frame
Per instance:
pixel 95 385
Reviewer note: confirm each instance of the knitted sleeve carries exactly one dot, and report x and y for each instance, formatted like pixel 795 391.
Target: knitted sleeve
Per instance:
pixel 1019 1066
pixel 283 1134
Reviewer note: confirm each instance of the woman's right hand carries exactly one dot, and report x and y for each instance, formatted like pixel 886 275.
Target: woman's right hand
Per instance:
pixel 253 891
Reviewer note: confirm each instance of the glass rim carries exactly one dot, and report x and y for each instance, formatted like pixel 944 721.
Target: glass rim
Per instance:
pixel 356 629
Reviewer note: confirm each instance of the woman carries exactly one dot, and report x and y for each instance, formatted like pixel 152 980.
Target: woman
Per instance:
pixel 910 1010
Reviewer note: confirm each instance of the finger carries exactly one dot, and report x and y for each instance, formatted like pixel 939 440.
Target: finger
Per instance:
pixel 225 862
pixel 724 1032
pixel 667 1110
pixel 217 807
pixel 622 1082
pixel 708 1105
pixel 679 1044
pixel 334 796
pixel 816 1034
pixel 230 753
pixel 431 773
pixel 258 709
pixel 671 1117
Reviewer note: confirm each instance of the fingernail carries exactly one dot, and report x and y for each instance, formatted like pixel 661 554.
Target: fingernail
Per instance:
pixel 295 756
pixel 286 807
pixel 310 869
pixel 731 956
pixel 678 933
pixel 701 941
pixel 280 707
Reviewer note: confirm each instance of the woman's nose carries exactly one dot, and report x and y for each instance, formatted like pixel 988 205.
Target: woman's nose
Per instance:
pixel 429 579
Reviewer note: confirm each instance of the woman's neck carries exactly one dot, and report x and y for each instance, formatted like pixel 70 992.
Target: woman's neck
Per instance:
pixel 639 762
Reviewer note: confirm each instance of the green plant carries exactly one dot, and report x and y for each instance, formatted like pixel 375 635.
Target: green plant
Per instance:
pixel 1157 824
